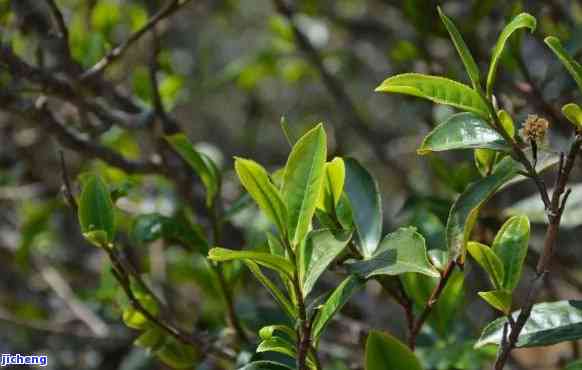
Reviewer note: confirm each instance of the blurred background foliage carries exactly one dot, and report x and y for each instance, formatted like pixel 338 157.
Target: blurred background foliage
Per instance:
pixel 227 71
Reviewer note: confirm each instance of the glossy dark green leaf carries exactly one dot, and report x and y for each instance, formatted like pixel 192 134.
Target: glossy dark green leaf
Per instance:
pixel 549 323
pixel 437 89
pixel 510 245
pixel 317 253
pixel 522 20
pixel 255 180
pixel 399 252
pixel 200 163
pixel 265 365
pixel 384 352
pixel 265 259
pixel 489 261
pixel 463 131
pixel 96 214
pixel 465 210
pixel 302 182
pixel 498 299
pixel 362 191
pixel 464 52
pixel 275 292
pixel 338 298
pixel 573 67
pixel 573 112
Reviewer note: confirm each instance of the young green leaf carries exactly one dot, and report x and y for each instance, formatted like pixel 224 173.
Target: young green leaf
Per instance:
pixel 362 190
pixel 489 261
pixel 333 185
pixel 96 214
pixel 134 319
pixel 437 89
pixel 464 52
pixel 200 163
pixel 281 299
pixel 401 251
pixel 277 344
pixel 334 303
pixel 268 332
pixel 383 352
pixel 177 355
pixel 549 323
pixel 464 211
pixel 522 20
pixel 316 254
pixel 463 131
pixel 265 259
pixel 573 112
pixel 302 182
pixel 510 244
pixel 498 299
pixel 573 67
pixel 255 180
pixel 151 339
pixel 506 122
pixel 265 365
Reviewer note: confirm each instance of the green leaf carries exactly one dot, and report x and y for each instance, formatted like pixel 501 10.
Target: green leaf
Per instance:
pixel 151 339
pixel 485 159
pixel 255 180
pixel 333 185
pixel 134 318
pixel 177 355
pixel 576 365
pixel 384 352
pixel 465 210
pixel 268 332
pixel 362 191
pixel 522 20
pixel 510 244
pixel 317 253
pixel 265 259
pixel 281 299
pixel 463 131
pixel 506 122
pixel 549 323
pixel 573 67
pixel 200 163
pixel 401 251
pixel 334 303
pixel 149 227
pixel 464 52
pixel 498 299
pixel 302 182
pixel 265 365
pixel 489 261
pixel 437 89
pixel 277 344
pixel 573 113
pixel 96 210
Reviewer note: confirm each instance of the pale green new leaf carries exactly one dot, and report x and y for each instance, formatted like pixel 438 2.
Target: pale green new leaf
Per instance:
pixel 510 244
pixel 522 20
pixel 265 365
pixel 96 214
pixel 498 299
pixel 464 212
pixel 255 180
pixel 463 131
pixel 489 261
pixel 549 323
pixel 573 112
pixel 385 352
pixel 468 60
pixel 302 182
pixel 281 299
pixel 399 252
pixel 265 259
pixel 573 67
pixel 199 162
pixel 437 89
pixel 333 185
pixel 317 253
